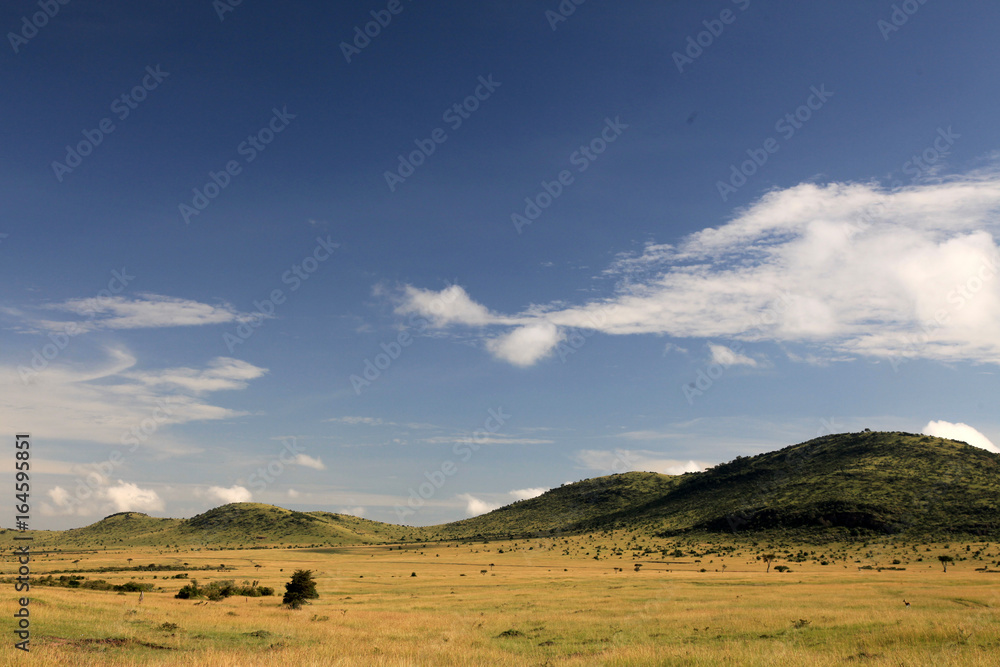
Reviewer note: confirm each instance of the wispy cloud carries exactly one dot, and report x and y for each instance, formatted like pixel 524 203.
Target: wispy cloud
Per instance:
pixel 142 312
pixel 485 440
pixel 845 269
pixel 106 400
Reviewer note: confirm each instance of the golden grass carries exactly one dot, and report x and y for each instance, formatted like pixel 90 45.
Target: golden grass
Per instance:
pixel 555 609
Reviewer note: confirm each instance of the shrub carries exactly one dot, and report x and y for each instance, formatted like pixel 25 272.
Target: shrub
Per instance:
pixel 300 589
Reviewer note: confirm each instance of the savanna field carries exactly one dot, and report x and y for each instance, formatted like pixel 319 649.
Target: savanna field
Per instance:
pixel 608 598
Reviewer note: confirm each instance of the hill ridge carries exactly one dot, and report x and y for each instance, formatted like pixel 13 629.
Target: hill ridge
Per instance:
pixel 847 485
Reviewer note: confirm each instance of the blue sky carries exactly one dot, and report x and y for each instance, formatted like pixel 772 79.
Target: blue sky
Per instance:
pixel 491 248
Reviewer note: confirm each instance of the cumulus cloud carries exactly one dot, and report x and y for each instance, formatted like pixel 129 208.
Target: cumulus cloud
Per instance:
pixel 97 496
pixel 845 270
pixel 234 494
pixel 628 460
pixel 726 356
pixel 451 305
pixel 524 346
pixel 474 506
pixel 960 431
pixel 353 511
pixel 525 494
pixel 309 462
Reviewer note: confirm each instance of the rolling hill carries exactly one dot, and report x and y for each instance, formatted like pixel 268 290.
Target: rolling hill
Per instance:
pixel 838 486
pixel 233 525
pixel 844 484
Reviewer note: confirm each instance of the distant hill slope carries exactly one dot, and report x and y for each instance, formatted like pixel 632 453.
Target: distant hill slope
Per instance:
pixel 233 525
pixel 853 483
pixel 838 485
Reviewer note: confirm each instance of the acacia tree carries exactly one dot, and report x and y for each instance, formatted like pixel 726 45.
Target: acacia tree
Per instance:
pixel 945 559
pixel 767 558
pixel 300 589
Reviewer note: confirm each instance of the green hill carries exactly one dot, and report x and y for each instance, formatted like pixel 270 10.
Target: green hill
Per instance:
pixel 844 485
pixel 233 525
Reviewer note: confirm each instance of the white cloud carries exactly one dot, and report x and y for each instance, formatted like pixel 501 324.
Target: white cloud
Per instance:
pixel 292 493
pixel 726 356
pixel 846 270
pixel 474 506
pixel 222 373
pixel 525 494
pixel 626 460
pixel 145 311
pixel 309 462
pixel 234 494
pixel 649 435
pixel 368 421
pixel 451 305
pixel 110 403
pixel 485 440
pixel 526 345
pixel 97 496
pixel 127 497
pixel 959 431
pixel 353 511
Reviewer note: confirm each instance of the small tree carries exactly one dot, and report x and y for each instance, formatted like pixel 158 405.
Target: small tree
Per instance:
pixel 945 559
pixel 767 558
pixel 300 589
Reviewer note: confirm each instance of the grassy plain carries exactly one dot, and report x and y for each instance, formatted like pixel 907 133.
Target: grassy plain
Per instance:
pixel 540 601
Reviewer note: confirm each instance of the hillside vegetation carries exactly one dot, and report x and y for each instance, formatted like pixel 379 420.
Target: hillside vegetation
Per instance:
pixel 230 526
pixel 844 485
pixel 833 487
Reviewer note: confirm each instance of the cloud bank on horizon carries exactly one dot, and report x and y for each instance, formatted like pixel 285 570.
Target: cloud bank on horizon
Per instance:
pixel 960 431
pixel 848 270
